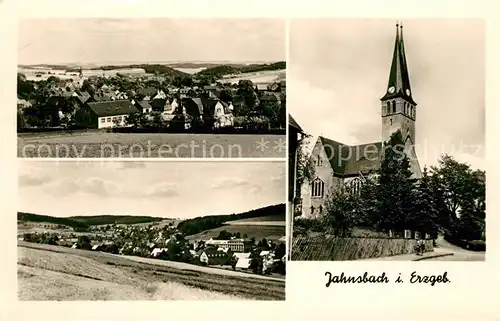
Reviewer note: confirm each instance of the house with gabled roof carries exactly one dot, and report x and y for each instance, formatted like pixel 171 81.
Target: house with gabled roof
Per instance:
pixel 261 87
pixel 209 110
pixel 148 93
pixel 143 106
pixel 160 94
pixel 105 114
pixel 160 105
pixel 214 256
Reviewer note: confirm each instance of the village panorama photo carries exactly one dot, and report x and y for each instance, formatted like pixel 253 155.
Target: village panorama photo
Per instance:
pixel 137 230
pixel 387 136
pixel 211 88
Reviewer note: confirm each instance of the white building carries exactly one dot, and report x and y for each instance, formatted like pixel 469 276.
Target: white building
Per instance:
pixel 106 114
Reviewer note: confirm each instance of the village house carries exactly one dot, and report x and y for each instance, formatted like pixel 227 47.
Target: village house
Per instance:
pixel 105 114
pixel 261 87
pixel 212 91
pixel 183 92
pixel 240 245
pixel 209 110
pixel 213 256
pixel 157 252
pixel 22 103
pixel 147 93
pixel 143 106
pixel 83 97
pixel 235 245
pixel 160 95
pixel 173 108
pixel 160 105
pixel 243 260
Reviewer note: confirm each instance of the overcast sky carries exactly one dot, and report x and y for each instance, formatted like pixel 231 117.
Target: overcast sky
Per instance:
pixel 338 70
pixel 150 40
pixel 163 189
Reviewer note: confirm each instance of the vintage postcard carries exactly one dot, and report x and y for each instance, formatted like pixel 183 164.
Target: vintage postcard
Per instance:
pixel 211 88
pixel 276 160
pixel 90 230
pixel 389 149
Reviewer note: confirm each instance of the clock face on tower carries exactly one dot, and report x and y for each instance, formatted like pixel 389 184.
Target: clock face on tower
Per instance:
pixel 408 92
pixel 391 90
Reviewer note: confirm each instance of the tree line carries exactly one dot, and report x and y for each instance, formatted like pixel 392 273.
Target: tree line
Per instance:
pixel 448 199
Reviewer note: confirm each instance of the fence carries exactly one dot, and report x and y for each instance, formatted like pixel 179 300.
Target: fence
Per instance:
pixel 223 130
pixel 329 248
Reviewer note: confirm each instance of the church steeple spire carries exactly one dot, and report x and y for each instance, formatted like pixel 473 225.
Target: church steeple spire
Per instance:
pixel 399 79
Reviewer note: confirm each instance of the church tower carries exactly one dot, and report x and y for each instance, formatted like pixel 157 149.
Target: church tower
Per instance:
pixel 398 107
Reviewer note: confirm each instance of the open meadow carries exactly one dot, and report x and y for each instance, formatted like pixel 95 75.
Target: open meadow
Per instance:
pixel 47 272
pixel 271 220
pixel 251 230
pixel 165 145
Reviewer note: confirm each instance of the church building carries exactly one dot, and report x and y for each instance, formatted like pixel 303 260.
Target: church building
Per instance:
pixel 338 165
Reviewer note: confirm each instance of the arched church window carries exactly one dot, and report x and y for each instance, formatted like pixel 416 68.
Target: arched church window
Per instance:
pixel 393 106
pixel 317 188
pixel 318 162
pixel 411 111
pixel 388 107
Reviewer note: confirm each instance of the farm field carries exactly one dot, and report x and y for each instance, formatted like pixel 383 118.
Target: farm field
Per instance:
pixel 257 231
pixel 102 145
pixel 271 220
pixel 267 76
pixel 48 272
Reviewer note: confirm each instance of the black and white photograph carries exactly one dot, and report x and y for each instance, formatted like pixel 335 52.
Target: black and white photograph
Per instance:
pixel 139 230
pixel 387 140
pixel 157 87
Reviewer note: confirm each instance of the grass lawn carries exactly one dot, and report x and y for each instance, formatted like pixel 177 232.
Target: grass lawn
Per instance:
pixel 101 144
pixel 48 272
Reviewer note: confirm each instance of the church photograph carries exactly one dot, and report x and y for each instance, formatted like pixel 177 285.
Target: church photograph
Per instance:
pixel 387 120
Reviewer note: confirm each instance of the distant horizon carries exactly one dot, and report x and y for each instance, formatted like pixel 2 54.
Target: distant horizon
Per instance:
pixel 152 216
pixel 124 63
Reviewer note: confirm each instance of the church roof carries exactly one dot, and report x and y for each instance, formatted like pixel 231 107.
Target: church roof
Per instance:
pixel 348 160
pixel 399 79
pixel 363 158
pixel 294 124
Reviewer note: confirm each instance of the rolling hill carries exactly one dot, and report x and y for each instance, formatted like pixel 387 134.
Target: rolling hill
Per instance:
pixel 258 231
pixel 83 222
pixel 29 217
pixel 204 223
pixel 115 219
pixel 228 69
pixel 47 272
pixel 148 68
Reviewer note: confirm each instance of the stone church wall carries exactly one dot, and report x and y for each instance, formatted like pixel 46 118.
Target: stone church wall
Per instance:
pixel 328 248
pixel 324 172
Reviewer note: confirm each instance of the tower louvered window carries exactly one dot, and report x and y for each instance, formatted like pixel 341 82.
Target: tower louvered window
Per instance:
pixel 354 186
pixel 317 188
